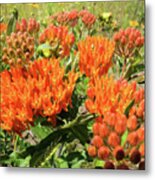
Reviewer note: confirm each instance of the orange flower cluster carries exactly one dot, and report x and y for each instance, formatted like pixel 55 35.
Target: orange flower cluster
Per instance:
pixel 71 18
pixel 87 18
pixel 95 55
pixel 31 26
pixel 66 18
pixel 109 99
pixel 19 49
pixel 59 38
pixel 127 41
pixel 3 27
pixel 41 89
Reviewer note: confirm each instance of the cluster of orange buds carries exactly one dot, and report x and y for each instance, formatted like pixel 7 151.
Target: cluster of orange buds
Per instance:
pixel 127 41
pixel 95 55
pixel 118 136
pixel 41 89
pixel 59 39
pixel 71 18
pixel 19 49
pixel 31 26
pixel 66 18
pixel 3 28
pixel 87 18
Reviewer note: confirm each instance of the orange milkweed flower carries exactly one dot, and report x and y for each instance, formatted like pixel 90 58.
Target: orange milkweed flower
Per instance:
pixel 38 90
pixel 110 98
pixel 3 28
pixel 59 39
pixel 95 55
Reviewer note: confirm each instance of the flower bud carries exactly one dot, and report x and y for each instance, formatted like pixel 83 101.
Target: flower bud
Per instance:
pixel 11 61
pixel 113 139
pixel 109 165
pixel 96 127
pixel 123 167
pixel 142 149
pixel 103 152
pixel 92 151
pixel 27 55
pixel 103 130
pixel 97 141
pixel 19 52
pixel 119 153
pixel 142 165
pixel 11 52
pixel 4 58
pixel 132 123
pixel 19 61
pixel 135 157
pixel 133 138
pixel 5 50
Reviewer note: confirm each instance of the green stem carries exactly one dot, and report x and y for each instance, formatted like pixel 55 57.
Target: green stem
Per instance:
pixel 15 143
pixel 50 155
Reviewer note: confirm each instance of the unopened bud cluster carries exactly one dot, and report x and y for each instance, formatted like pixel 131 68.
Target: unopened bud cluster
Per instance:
pixel 72 17
pixel 31 26
pixel 127 41
pixel 59 38
pixel 19 49
pixel 118 138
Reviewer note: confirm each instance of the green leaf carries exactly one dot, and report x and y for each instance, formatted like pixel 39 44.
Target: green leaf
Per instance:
pixel 45 50
pixel 41 131
pixel 124 137
pixel 98 163
pixel 12 22
pixel 23 162
pixel 61 163
pixel 71 156
pixel 78 164
pixel 127 110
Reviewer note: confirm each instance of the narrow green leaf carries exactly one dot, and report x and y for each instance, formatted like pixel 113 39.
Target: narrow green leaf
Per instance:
pixel 124 137
pixel 127 110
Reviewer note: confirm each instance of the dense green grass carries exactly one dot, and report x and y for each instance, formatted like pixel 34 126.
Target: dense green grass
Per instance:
pixel 123 11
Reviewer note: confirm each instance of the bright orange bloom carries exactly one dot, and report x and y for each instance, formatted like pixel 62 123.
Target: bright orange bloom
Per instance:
pixel 59 38
pixel 95 55
pixel 38 90
pixel 110 98
pixel 3 28
pixel 110 95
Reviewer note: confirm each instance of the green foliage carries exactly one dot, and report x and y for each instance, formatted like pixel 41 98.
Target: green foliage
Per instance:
pixel 12 21
pixel 127 110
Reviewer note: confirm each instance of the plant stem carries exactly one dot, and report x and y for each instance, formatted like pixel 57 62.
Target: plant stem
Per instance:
pixel 16 137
